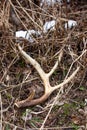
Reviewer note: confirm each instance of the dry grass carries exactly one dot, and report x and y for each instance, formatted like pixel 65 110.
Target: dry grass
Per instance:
pixel 17 77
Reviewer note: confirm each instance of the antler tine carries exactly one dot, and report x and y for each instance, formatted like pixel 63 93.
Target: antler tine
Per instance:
pixel 33 62
pixel 45 78
pixel 56 64
pixel 67 80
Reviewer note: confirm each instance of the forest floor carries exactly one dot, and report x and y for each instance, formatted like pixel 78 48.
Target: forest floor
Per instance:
pixel 63 110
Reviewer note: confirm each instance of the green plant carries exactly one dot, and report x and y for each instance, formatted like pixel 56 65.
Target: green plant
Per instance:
pixel 21 63
pixel 75 127
pixel 82 88
pixel 7 127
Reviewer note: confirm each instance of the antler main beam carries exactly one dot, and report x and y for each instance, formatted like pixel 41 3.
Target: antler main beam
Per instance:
pixel 45 78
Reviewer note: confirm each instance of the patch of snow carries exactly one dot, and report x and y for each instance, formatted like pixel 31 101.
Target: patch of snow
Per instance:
pixel 29 35
pixel 21 34
pixel 70 24
pixel 49 2
pixel 49 26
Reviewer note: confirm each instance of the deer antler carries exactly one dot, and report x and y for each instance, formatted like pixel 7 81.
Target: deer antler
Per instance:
pixel 45 78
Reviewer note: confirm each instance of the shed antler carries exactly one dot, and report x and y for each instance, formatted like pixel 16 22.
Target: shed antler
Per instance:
pixel 45 78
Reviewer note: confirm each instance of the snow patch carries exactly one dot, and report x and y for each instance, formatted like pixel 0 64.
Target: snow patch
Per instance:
pixel 49 26
pixel 49 2
pixel 29 35
pixel 70 24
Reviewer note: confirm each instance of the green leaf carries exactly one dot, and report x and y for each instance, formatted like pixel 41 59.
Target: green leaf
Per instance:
pixel 82 88
pixel 8 127
pixel 76 127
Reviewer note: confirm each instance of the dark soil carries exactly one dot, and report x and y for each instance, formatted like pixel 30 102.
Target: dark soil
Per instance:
pixel 17 77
